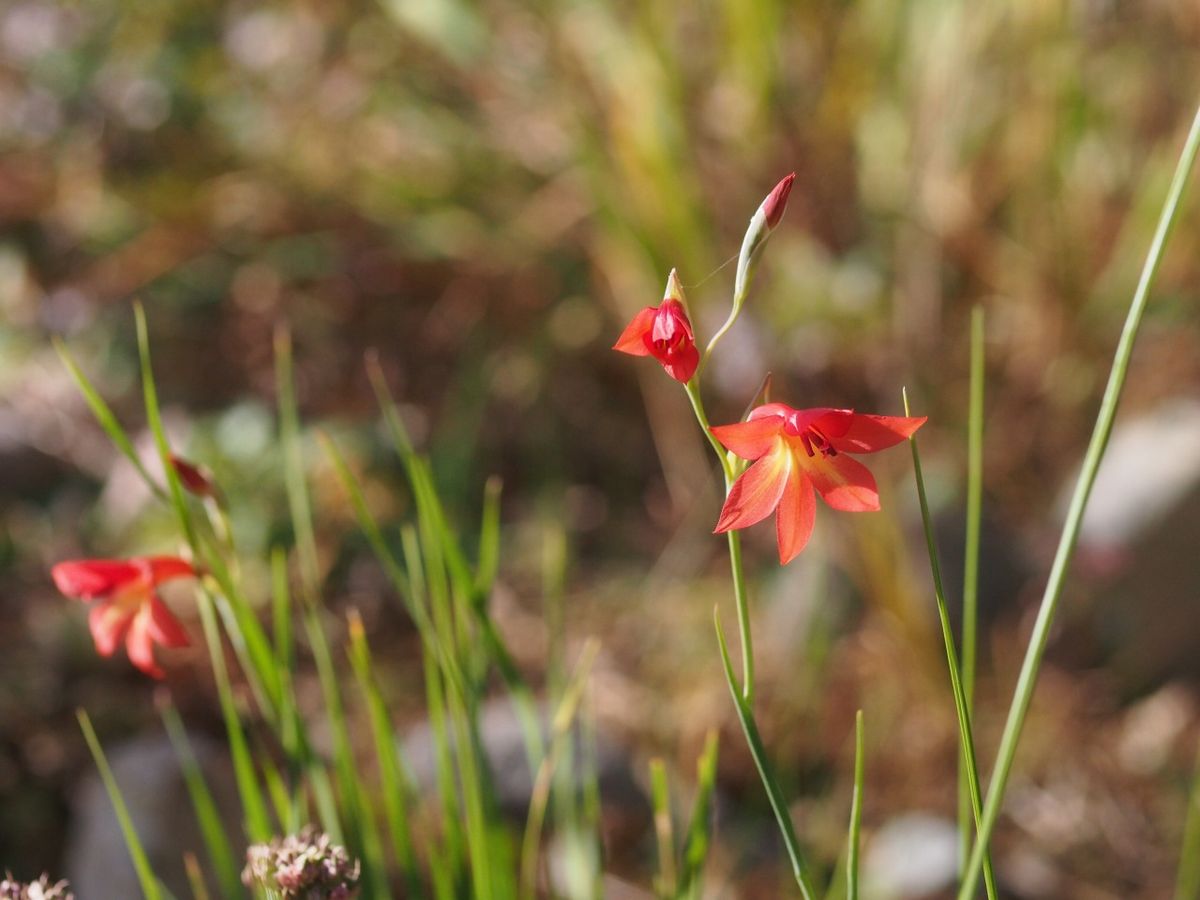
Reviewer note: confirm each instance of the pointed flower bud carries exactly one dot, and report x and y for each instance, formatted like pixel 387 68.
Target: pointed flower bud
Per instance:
pixel 192 477
pixel 775 205
pixel 664 332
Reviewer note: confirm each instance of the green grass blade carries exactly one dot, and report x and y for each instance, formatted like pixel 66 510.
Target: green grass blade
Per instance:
pixel 254 807
pixel 244 631
pixel 965 737
pixel 489 539
pixel 293 456
pixel 361 821
pixel 216 841
pixel 105 417
pixel 195 877
pixel 667 881
pixel 564 717
pixel 291 730
pixel 970 594
pixel 394 787
pixel 855 811
pixel 137 853
pixel 1023 694
pixel 759 754
pixel 696 844
pixel 1187 879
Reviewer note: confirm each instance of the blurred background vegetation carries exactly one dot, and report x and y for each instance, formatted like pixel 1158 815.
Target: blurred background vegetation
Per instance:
pixel 484 193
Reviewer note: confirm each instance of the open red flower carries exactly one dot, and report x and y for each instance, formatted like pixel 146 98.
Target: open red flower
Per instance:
pixel 795 451
pixel 126 603
pixel 664 332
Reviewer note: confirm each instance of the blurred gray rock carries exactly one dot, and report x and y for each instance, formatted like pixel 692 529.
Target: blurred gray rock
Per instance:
pixel 911 856
pixel 626 807
pixel 1137 552
pixel 147 771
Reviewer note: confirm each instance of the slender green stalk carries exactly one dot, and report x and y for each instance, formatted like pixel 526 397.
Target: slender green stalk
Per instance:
pixel 1070 533
pixel 1187 880
pixel 695 848
pixel 855 811
pixel 741 601
pixel 966 741
pixel 216 841
pixel 564 717
pixel 759 754
pixel 664 830
pixel 693 392
pixel 141 864
pixel 970 594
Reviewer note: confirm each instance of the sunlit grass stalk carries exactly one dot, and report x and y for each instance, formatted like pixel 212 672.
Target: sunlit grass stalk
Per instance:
pixel 665 885
pixel 151 889
pixel 245 632
pixel 560 733
pixel 852 841
pixel 1187 879
pixel 396 792
pixel 1027 679
pixel 970 594
pixel 966 739
pixel 698 836
pixel 212 829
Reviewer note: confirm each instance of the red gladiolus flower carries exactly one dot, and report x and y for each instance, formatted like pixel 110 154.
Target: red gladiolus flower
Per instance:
pixel 795 451
pixel 126 603
pixel 664 332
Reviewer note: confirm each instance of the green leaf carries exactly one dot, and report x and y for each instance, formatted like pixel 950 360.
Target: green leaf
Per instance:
pixel 141 864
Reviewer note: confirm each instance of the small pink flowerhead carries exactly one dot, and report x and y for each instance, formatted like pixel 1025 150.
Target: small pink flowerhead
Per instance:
pixel 664 332
pixel 775 205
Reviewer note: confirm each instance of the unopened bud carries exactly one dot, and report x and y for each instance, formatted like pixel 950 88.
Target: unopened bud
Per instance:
pixel 192 477
pixel 775 205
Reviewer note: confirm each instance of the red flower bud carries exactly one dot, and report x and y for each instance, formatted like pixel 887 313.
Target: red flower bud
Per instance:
pixel 193 477
pixel 664 332
pixel 775 205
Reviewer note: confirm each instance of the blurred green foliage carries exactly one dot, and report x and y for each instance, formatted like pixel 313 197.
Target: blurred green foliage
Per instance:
pixel 486 191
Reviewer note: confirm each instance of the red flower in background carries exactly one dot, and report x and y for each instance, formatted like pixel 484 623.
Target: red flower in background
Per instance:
pixel 126 604
pixel 664 332
pixel 795 451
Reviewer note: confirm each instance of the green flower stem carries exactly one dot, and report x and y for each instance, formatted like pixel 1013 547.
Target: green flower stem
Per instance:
pixel 693 391
pixel 1070 533
pixel 759 753
pixel 737 570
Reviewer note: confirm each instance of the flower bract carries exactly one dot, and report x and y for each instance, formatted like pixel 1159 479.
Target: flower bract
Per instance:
pixel 664 332
pixel 125 603
pixel 799 452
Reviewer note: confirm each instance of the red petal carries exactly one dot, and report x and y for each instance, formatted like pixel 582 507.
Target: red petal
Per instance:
pixel 632 339
pixel 140 645
pixel 844 484
pixel 751 439
pixel 89 579
pixel 682 364
pixel 756 493
pixel 870 433
pixel 164 568
pixel 108 623
pixel 164 627
pixel 794 521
